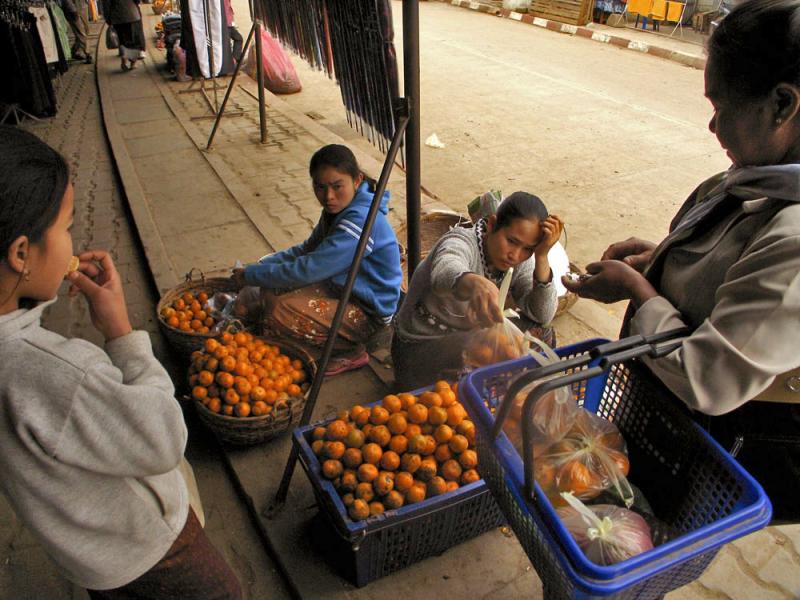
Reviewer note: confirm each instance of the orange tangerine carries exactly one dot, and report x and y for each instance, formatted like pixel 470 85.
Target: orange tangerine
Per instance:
pixel 451 470
pixel 469 476
pixel 436 486
pixel 398 444
pixel 225 380
pixel 332 469
pixel 393 499
pixel 458 443
pixel 407 400
pixel 378 415
pixel 403 481
pixel 416 493
pixel 417 413
pixel 231 397
pixel 392 403
pixel 410 462
pixel 242 409
pixel 390 460
pixel 397 424
pixel 205 378
pixel 372 453
pixel 214 405
pixel 367 472
pixel 468 459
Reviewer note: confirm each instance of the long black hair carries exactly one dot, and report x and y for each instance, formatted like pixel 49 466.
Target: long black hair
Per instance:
pixel 520 205
pixel 33 180
pixel 757 46
pixel 340 158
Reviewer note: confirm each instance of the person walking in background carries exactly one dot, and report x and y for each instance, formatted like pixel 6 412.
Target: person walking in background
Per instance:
pixel 126 19
pixel 77 15
pixel 236 37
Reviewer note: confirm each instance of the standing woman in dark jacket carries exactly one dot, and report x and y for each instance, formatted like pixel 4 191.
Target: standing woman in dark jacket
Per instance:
pixel 126 18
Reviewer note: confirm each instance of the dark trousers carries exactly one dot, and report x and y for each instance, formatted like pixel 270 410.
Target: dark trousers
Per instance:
pixel 238 42
pixel 765 438
pixel 79 23
pixel 192 568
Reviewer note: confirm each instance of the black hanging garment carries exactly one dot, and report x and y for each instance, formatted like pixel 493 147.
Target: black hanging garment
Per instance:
pixel 23 69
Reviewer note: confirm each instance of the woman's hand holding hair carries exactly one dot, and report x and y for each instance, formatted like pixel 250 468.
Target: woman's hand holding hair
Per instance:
pixel 612 281
pixel 552 227
pixel 633 251
pixel 482 296
pixel 97 279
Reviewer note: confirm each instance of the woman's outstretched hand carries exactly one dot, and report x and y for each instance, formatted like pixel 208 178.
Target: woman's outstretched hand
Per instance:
pixel 482 296
pixel 611 281
pixel 98 280
pixel 633 251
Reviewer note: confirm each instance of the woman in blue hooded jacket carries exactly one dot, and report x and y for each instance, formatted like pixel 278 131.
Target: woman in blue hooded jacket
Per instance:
pixel 301 285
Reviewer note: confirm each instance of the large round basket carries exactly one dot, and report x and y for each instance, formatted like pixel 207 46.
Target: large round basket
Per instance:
pixel 432 226
pixel 186 342
pixel 246 431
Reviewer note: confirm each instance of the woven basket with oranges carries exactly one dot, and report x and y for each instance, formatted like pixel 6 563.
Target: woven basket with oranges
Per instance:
pixel 248 389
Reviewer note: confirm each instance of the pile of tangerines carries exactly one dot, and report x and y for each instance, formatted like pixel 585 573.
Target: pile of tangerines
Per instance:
pixel 188 313
pixel 401 451
pixel 242 375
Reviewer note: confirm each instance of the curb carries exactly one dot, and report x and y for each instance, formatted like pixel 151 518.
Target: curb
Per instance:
pixel 684 58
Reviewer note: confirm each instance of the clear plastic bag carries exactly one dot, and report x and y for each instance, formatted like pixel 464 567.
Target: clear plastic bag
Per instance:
pixel 500 342
pixel 605 533
pixel 503 341
pixel 590 458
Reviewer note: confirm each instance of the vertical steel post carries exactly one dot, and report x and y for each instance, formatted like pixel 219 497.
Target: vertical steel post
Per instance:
pixel 262 117
pixel 412 95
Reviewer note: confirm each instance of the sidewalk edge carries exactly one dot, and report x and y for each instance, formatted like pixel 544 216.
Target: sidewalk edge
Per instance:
pixel 684 58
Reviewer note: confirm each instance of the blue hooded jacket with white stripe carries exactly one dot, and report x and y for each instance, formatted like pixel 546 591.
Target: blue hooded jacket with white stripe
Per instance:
pixel 328 254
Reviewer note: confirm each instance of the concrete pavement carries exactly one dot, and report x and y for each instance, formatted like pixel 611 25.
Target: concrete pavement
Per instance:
pixel 206 209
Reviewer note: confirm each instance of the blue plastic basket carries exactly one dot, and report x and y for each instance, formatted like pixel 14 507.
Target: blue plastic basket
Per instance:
pixel 375 547
pixel 694 486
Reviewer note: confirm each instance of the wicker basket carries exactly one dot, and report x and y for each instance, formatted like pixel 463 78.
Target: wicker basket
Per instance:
pixel 432 226
pixel 245 431
pixel 186 342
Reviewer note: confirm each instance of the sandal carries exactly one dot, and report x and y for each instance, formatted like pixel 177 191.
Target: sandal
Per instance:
pixel 343 364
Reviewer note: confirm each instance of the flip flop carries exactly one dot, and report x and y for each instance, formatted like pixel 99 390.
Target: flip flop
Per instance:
pixel 341 365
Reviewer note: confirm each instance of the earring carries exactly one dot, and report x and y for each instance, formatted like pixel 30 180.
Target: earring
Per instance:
pixel 778 121
pixel 26 274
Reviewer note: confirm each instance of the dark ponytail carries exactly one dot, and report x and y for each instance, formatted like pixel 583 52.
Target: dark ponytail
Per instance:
pixel 33 180
pixel 340 158
pixel 520 205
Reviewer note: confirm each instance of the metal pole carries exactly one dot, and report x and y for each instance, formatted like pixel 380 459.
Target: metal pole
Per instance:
pixel 230 88
pixel 412 94
pixel 262 116
pixel 283 489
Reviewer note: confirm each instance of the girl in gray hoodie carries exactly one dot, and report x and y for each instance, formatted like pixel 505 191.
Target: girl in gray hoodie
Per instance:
pixel 91 440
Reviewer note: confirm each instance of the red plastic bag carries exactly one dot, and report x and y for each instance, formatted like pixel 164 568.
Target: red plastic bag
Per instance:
pixel 280 76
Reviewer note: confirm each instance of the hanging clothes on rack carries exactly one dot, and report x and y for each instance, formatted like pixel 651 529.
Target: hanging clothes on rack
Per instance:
pixel 59 21
pixel 353 41
pixel 204 28
pixel 23 70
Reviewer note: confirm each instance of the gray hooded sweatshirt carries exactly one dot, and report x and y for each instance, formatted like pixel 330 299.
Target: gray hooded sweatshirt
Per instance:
pixel 90 444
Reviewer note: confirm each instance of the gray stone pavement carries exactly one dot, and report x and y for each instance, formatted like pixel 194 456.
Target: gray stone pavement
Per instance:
pixel 207 209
